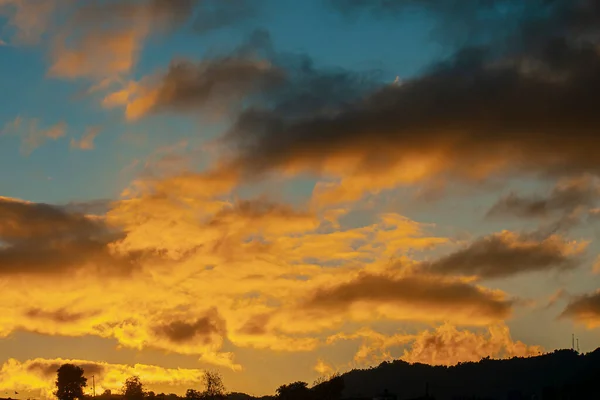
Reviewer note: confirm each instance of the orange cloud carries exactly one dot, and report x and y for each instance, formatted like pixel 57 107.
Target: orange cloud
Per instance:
pixel 97 55
pixel 323 368
pixel 87 140
pixel 584 309
pixel 201 269
pixel 445 345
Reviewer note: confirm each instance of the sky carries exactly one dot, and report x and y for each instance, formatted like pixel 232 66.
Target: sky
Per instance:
pixel 279 190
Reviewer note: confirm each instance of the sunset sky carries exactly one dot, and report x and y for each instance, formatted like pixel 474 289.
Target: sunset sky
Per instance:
pixel 279 189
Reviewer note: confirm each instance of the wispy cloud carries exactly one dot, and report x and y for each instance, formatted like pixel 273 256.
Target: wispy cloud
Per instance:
pixel 86 142
pixel 31 134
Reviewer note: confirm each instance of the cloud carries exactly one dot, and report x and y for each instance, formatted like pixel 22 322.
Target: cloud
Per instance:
pixel 201 329
pixel 254 71
pixel 584 309
pixel 375 346
pixel 32 136
pixel 41 239
pixel 59 316
pixel 444 345
pixel 567 197
pixel 87 140
pixel 507 253
pixel 323 368
pixel 242 267
pixel 447 345
pixel 204 86
pixel 416 298
pixel 39 374
pixel 214 14
pixel 497 111
pixel 29 18
pixel 103 39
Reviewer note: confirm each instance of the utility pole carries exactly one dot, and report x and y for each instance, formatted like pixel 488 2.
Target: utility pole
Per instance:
pixel 578 345
pixel 94 385
pixel 572 341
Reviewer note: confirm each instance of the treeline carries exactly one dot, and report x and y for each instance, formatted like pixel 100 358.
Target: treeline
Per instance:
pixel 562 374
pixel 70 384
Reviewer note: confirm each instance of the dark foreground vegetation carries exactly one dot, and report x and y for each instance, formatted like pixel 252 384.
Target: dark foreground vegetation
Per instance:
pixel 561 375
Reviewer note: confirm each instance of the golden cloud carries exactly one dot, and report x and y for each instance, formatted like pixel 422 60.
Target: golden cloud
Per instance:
pixel 584 309
pixel 445 345
pixel 199 268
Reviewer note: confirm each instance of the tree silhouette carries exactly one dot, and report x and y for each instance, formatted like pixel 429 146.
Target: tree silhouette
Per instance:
pixel 213 386
pixel 70 382
pixel 294 391
pixel 133 389
pixel 328 388
pixel 192 394
pixel 107 393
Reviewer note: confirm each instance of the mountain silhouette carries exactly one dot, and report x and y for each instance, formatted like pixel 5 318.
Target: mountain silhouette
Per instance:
pixel 562 374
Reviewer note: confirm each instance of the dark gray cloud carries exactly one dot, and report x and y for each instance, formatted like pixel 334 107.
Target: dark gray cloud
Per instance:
pixel 60 315
pixel 291 83
pixel 256 325
pixel 507 254
pixel 214 84
pixel 93 207
pixel 564 199
pixel 49 369
pixel 216 14
pixel 525 107
pixel 420 292
pixel 257 209
pixel 201 329
pixel 160 14
pixel 38 238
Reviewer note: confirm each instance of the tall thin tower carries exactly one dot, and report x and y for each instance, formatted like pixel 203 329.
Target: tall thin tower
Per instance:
pixel 572 341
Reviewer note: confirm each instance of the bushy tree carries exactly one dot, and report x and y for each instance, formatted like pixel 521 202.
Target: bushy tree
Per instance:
pixel 328 388
pixel 213 386
pixel 294 391
pixel 133 389
pixel 70 382
pixel 192 394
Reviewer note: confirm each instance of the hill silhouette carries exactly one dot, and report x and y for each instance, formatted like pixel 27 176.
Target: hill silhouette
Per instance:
pixel 557 375
pixel 562 374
